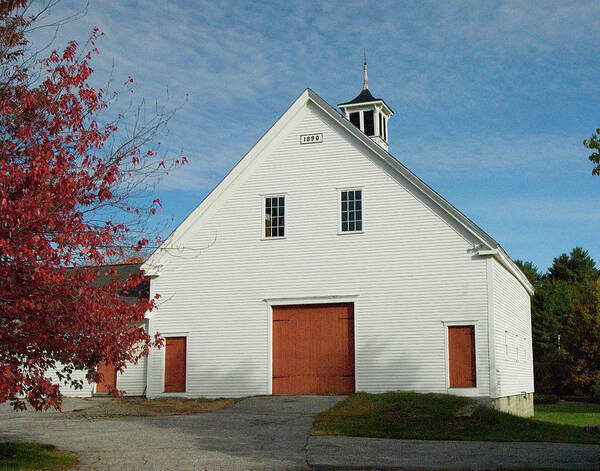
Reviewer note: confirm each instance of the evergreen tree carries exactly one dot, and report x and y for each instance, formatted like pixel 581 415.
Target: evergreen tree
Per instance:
pixel 577 268
pixel 560 299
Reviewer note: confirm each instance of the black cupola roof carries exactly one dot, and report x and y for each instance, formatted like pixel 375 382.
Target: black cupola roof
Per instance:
pixel 364 96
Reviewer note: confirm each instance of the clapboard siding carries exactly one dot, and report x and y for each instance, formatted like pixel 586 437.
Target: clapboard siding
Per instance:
pixel 67 391
pixel 410 271
pixel 132 381
pixel 512 325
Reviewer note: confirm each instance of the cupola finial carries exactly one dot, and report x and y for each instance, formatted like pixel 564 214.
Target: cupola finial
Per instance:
pixel 367 113
pixel 365 78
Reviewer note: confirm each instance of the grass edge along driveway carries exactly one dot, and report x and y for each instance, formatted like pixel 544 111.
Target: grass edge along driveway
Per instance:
pixel 432 417
pixel 141 407
pixel 25 456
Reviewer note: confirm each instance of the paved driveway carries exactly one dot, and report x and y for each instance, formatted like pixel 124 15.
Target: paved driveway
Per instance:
pixel 267 432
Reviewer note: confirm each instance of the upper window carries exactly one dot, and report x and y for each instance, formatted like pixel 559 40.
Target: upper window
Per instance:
pixel 355 119
pixel 369 123
pixel 351 210
pixel 275 216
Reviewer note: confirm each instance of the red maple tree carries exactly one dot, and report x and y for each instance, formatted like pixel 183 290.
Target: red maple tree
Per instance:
pixel 58 182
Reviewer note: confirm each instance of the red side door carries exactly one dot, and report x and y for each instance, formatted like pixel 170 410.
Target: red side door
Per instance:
pixel 109 378
pixel 175 364
pixel 461 353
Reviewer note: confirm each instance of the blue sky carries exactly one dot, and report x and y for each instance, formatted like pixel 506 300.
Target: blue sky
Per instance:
pixel 492 100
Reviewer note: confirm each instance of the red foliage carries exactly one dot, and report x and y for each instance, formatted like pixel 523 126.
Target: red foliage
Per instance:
pixel 52 170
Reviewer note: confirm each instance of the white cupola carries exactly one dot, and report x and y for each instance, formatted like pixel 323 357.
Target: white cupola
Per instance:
pixel 369 114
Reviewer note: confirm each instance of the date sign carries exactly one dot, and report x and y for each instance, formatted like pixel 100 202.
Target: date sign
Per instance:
pixel 311 138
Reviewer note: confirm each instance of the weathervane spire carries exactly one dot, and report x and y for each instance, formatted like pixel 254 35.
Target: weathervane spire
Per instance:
pixel 365 78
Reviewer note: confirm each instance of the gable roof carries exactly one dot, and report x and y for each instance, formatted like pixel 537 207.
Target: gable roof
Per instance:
pixel 488 246
pixel 123 272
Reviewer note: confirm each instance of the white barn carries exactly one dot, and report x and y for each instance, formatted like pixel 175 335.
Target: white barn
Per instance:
pixel 321 264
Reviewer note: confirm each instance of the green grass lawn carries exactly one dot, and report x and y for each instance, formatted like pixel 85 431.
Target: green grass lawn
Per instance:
pixel 569 413
pixel 24 456
pixel 432 416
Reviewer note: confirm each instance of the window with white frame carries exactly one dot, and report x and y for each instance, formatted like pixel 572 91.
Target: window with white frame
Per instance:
pixel 274 216
pixel 351 210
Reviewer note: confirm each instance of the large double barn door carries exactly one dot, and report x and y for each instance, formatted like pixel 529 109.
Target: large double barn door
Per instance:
pixel 313 349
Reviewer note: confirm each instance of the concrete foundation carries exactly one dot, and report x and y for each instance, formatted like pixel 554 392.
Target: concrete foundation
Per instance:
pixel 521 404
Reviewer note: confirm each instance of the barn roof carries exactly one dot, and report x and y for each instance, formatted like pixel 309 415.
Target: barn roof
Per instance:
pixel 488 246
pixel 124 270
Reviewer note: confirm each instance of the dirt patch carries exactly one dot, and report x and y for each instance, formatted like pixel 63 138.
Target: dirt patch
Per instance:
pixel 141 407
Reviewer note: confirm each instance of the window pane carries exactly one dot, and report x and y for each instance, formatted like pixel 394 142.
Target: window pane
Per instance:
pixel 355 119
pixel 274 207
pixel 351 211
pixel 369 123
pixel 281 234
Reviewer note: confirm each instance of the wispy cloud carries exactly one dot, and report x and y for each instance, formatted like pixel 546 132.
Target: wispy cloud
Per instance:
pixel 480 155
pixel 487 89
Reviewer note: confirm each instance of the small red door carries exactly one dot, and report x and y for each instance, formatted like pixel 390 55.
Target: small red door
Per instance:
pixel 109 378
pixel 461 353
pixel 175 353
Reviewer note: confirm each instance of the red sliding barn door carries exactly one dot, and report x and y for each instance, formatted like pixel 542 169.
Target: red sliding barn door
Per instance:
pixel 313 349
pixel 461 354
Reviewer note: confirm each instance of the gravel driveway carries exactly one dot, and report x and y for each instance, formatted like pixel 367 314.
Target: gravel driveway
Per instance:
pixel 267 432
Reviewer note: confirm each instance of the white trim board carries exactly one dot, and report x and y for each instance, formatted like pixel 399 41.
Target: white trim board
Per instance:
pixel 476 391
pixel 163 351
